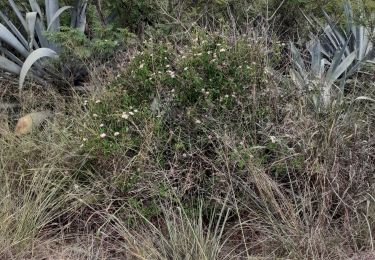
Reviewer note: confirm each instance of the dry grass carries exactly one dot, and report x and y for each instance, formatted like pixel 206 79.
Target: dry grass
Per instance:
pixel 267 178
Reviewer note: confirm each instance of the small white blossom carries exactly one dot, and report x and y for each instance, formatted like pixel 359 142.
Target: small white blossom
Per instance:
pixel 141 66
pixel 101 125
pixel 197 121
pixel 97 101
pixel 125 116
pixel 103 135
pixel 95 115
pixel 116 134
pixel 131 113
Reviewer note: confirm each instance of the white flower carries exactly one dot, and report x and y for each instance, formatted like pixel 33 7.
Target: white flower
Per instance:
pixel 273 139
pixel 97 101
pixel 186 68
pixel 116 134
pixel 103 135
pixel 131 113
pixel 167 66
pixel 141 66
pixel 125 115
pixel 135 110
pixel 84 139
pixel 197 121
pixel 101 125
pixel 222 50
pixel 95 115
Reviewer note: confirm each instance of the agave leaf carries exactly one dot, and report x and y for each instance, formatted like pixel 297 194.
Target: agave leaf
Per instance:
pixel 31 20
pixel 339 56
pixel 36 8
pixel 339 34
pixel 315 50
pixel 336 35
pixel 340 69
pixel 57 15
pixel 33 57
pixel 9 38
pixel 297 78
pixel 298 61
pixel 18 14
pixel 13 28
pixel 52 6
pixel 349 16
pixel 365 98
pixel 326 94
pixel 39 26
pixel 79 15
pixel 9 65
pixel 11 56
pixel 370 56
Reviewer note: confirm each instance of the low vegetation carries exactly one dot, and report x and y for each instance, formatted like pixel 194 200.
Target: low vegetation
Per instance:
pixel 202 130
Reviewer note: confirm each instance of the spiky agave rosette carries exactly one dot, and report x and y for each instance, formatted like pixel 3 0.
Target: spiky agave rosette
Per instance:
pixel 21 49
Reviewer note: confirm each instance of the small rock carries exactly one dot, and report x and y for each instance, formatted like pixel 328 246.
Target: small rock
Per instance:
pixel 29 122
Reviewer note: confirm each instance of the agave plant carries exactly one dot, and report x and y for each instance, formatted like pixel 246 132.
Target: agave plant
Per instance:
pixel 337 54
pixel 322 74
pixel 353 37
pixel 21 48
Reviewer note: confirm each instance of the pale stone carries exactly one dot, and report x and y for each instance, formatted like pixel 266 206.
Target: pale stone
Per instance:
pixel 29 122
